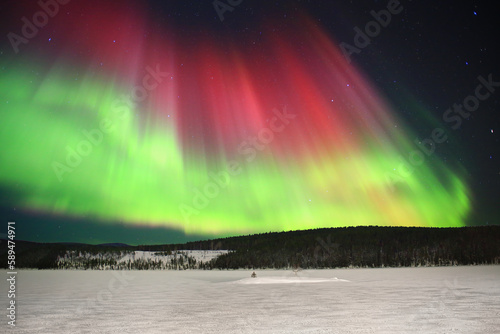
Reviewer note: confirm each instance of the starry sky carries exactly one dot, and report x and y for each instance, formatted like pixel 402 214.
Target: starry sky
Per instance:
pixel 147 122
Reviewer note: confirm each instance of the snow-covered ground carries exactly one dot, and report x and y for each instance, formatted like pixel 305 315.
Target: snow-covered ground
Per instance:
pixel 179 259
pixel 403 300
pixel 198 255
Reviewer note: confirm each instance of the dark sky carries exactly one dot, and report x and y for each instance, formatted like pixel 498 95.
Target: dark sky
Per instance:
pixel 428 56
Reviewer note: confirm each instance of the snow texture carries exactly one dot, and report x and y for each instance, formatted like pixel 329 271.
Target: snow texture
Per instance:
pixel 179 259
pixel 388 300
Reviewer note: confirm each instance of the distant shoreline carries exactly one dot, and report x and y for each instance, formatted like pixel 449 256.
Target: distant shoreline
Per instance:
pixel 329 248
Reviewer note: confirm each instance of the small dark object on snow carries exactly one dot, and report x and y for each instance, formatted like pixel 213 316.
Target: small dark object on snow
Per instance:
pixel 254 275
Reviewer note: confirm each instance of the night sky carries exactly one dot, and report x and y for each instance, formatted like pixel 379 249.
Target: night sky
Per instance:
pixel 148 122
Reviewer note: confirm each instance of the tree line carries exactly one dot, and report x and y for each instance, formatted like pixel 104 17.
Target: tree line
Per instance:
pixel 365 247
pixel 369 246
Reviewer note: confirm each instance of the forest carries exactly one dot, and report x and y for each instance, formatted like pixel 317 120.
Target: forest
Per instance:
pixel 353 247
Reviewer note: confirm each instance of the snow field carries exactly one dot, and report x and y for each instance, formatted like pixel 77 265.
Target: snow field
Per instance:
pixel 389 300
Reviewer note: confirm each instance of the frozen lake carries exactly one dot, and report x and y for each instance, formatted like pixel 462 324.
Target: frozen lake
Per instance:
pixel 403 300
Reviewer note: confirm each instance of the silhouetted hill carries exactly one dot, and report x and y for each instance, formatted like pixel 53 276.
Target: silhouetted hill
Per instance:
pixel 116 244
pixel 369 246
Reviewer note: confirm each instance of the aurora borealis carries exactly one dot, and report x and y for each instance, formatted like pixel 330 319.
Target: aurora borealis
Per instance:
pixel 123 122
